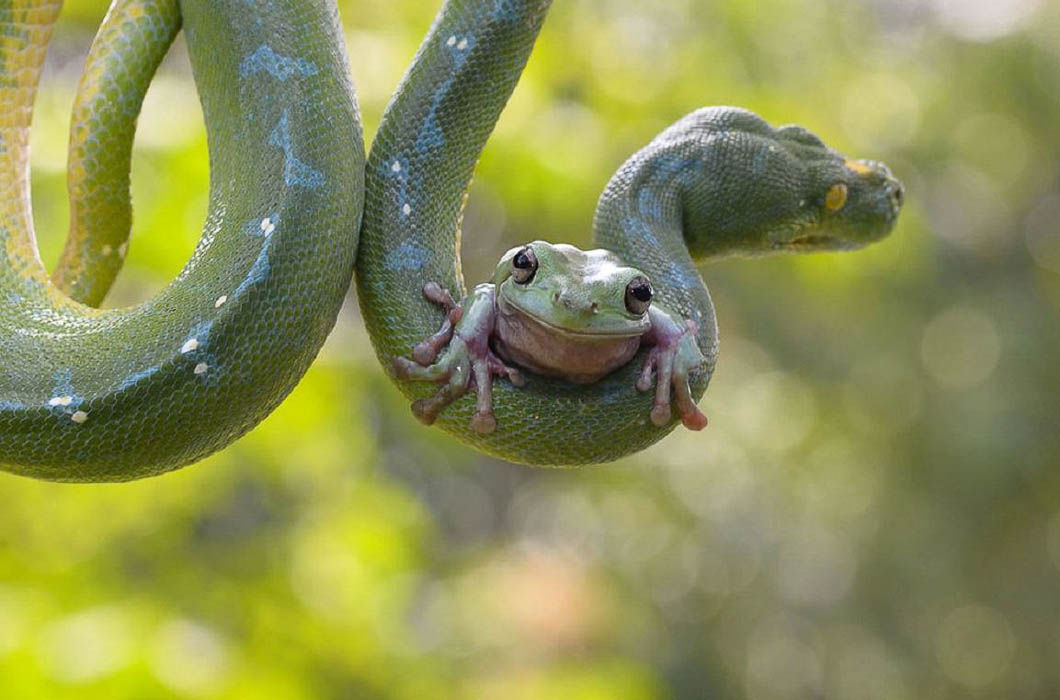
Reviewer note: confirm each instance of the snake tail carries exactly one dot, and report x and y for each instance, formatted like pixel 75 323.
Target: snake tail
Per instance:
pixel 130 45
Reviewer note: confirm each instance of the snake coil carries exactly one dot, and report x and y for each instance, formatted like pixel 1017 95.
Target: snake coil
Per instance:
pixel 119 394
pixel 90 395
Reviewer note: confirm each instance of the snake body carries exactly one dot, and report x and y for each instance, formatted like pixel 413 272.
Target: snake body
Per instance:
pixel 90 395
pixel 120 394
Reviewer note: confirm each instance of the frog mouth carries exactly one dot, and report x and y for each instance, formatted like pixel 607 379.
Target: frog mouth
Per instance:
pixel 546 349
pixel 509 309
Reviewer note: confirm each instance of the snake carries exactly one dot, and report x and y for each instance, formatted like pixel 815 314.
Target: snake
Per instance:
pixel 296 208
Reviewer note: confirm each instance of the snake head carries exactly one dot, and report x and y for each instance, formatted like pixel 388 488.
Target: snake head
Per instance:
pixel 847 204
pixel 752 189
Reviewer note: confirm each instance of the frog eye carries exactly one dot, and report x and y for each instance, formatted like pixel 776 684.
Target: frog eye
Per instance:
pixel 836 198
pixel 524 266
pixel 638 295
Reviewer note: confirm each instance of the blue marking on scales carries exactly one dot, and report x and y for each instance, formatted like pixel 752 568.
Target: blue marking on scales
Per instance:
pixel 296 173
pixel 264 59
pixel 136 378
pixel 258 272
pixel 408 256
pixel 431 135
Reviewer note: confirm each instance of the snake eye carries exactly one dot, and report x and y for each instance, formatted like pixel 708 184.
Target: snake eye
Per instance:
pixel 524 266
pixel 638 295
pixel 836 198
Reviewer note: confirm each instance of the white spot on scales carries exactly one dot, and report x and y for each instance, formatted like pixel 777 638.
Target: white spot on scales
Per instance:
pixel 220 301
pixel 61 401
pixel 79 417
pixel 267 227
pixel 201 368
pixel 190 346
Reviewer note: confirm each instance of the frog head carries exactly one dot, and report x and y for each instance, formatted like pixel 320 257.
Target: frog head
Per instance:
pixel 567 312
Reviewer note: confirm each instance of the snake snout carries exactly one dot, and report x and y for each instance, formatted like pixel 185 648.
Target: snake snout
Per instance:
pixel 879 179
pixel 897 194
pixel 893 190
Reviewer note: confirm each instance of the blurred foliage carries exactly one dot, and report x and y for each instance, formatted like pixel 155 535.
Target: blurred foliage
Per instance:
pixel 874 512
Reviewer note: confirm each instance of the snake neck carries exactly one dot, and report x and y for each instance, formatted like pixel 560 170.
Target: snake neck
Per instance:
pixel 643 216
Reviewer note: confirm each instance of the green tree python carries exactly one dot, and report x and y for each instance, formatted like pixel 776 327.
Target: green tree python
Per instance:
pixel 111 395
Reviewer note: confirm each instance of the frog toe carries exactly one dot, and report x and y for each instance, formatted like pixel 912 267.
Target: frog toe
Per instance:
pixel 691 416
pixel 498 368
pixel 424 411
pixel 437 294
pixel 696 420
pixel 428 410
pixel 408 370
pixel 661 415
pixel 646 380
pixel 483 423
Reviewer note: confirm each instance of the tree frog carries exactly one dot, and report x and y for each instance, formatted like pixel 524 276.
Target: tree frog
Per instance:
pixel 556 311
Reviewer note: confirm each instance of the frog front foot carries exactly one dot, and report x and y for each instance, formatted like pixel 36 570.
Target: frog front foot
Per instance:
pixel 459 357
pixel 674 357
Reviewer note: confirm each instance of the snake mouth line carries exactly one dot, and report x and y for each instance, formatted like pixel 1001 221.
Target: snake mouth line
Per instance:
pixel 817 242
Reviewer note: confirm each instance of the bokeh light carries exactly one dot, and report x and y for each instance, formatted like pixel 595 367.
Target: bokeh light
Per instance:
pixel 961 348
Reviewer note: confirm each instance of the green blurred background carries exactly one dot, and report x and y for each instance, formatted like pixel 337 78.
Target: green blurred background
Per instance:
pixel 873 513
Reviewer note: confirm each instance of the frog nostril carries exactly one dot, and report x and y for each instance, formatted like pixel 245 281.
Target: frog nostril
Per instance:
pixel 555 298
pixel 594 308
